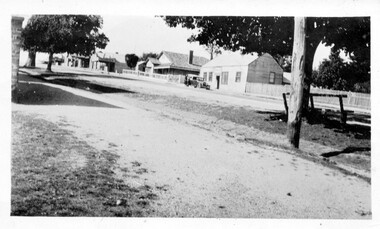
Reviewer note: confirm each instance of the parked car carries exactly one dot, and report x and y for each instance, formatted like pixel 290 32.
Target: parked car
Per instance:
pixel 197 82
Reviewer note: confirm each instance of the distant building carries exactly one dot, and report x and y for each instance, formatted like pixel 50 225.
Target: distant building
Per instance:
pixel 151 65
pixel 173 63
pixel 109 62
pixel 140 66
pixel 233 71
pixel 79 61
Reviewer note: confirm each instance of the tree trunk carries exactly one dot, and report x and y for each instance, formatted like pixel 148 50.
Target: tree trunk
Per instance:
pixel 212 51
pixel 50 62
pixel 309 58
pixel 31 61
pixel 297 84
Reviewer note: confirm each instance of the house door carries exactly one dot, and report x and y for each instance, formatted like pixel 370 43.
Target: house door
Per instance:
pixel 217 81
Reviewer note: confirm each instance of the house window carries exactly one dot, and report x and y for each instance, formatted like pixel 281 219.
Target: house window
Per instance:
pixel 224 78
pixel 205 76
pixel 271 77
pixel 210 76
pixel 238 77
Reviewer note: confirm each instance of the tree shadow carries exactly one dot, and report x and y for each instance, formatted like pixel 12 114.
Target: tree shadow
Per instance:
pixel 71 73
pixel 347 150
pixel 86 85
pixel 331 120
pixel 39 94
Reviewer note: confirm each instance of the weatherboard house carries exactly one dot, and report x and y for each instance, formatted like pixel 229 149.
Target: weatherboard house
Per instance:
pixel 108 62
pixel 233 71
pixel 172 63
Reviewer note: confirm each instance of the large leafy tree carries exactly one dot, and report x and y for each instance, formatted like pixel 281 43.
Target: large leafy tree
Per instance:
pixel 131 60
pixel 146 55
pixel 74 34
pixel 274 35
pixel 334 73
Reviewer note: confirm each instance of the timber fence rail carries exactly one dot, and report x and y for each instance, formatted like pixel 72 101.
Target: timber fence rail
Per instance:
pixel 350 99
pixel 168 78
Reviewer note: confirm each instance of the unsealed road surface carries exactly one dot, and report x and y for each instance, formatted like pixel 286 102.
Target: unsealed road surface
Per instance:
pixel 201 173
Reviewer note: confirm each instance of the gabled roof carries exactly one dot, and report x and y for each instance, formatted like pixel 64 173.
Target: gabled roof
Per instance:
pixel 232 59
pixel 180 60
pixel 111 57
pixel 153 60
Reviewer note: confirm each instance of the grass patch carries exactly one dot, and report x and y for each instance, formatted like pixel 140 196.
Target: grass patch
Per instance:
pixel 56 174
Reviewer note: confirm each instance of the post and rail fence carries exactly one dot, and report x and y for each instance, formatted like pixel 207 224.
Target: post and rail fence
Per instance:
pixel 349 99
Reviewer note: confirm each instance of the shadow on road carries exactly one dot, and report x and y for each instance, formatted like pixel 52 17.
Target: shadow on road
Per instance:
pixel 31 93
pixel 347 150
pixel 76 72
pixel 331 121
pixel 86 85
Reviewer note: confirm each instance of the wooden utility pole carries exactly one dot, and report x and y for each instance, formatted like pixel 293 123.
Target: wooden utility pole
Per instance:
pixel 16 43
pixel 297 84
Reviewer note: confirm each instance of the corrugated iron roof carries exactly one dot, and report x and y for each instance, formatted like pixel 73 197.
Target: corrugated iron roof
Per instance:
pixel 231 59
pixel 111 57
pixel 154 60
pixel 182 60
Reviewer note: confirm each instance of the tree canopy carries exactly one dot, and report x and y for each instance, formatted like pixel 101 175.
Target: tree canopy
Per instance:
pixel 274 35
pixel 131 60
pixel 146 55
pixel 74 34
pixel 334 73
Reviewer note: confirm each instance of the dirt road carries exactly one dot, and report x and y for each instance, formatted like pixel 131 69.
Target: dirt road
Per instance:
pixel 198 172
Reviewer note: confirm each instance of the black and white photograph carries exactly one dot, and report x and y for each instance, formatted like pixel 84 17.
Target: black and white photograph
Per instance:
pixel 175 115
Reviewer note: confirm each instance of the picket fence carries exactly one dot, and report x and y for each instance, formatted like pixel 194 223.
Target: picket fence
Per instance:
pixel 359 100
pixel 168 78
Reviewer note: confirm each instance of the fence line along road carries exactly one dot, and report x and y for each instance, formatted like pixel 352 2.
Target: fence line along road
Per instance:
pixel 353 99
pixel 169 78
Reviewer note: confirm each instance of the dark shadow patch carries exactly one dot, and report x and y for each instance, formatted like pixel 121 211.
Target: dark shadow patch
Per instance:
pixel 141 171
pixel 142 203
pixel 135 163
pixel 274 116
pixel 88 86
pixel 38 94
pixel 347 150
pixel 71 73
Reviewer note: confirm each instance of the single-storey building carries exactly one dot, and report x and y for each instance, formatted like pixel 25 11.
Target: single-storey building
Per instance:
pixel 140 66
pixel 79 61
pixel 171 63
pixel 233 71
pixel 109 62
pixel 151 64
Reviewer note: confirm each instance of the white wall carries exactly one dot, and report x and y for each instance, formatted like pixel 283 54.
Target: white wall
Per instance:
pixel 149 66
pixel 231 85
pixel 164 60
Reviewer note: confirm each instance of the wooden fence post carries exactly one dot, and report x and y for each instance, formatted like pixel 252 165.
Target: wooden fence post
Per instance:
pixel 311 102
pixel 343 114
pixel 285 104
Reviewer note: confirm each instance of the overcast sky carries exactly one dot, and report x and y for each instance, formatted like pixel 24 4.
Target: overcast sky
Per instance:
pixel 139 34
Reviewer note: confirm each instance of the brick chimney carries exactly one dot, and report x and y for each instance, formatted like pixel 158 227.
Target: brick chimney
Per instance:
pixel 191 57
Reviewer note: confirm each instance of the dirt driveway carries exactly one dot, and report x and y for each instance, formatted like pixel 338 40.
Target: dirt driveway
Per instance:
pixel 202 173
